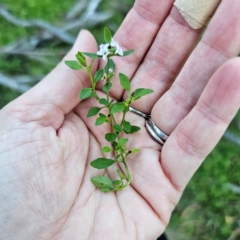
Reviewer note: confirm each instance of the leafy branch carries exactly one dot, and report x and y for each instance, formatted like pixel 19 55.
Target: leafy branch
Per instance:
pixel 114 138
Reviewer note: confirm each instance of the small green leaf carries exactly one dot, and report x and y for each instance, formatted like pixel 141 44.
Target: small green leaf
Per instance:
pixel 114 144
pixel 93 95
pixel 91 55
pixel 107 86
pixel 122 142
pixel 121 175
pixel 117 128
pixel 107 35
pixel 93 111
pixel 85 93
pixel 82 59
pixel 106 149
pixel 126 53
pixel 103 101
pixel 134 129
pixel 98 75
pixel 74 65
pixel 100 121
pixel 116 182
pixel 125 81
pixel 126 126
pixel 102 182
pixel 106 189
pixel 111 137
pixel 103 116
pixel 136 150
pixel 140 92
pixel 117 107
pixel 110 65
pixel 102 163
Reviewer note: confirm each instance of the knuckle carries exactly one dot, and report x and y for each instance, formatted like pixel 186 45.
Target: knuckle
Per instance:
pixel 189 144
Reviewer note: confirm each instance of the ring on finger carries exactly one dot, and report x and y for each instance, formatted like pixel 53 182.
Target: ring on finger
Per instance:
pixel 159 132
pixel 153 130
pixel 153 133
pixel 141 114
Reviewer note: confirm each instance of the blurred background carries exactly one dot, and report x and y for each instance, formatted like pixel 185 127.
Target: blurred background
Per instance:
pixel 35 35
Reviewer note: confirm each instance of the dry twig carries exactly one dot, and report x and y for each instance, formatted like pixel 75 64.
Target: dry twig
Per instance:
pixel 76 9
pixel 55 31
pixel 13 84
pixel 232 137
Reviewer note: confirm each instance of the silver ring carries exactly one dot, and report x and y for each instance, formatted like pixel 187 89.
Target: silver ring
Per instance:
pixel 153 133
pixel 159 133
pixel 141 114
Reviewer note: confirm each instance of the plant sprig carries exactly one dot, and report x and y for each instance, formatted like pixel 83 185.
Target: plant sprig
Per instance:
pixel 119 128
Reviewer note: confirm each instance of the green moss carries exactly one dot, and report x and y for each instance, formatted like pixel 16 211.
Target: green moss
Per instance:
pixel 7 95
pixel 31 9
pixel 49 10
pixel 211 201
pixel 235 125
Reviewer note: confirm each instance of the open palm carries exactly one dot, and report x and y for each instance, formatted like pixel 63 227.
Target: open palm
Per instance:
pixel 47 142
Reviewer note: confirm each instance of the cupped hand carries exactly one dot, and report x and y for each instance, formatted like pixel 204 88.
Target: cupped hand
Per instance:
pixel 47 142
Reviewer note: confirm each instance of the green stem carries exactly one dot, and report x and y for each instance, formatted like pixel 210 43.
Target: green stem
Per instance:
pixel 124 115
pixel 92 82
pixel 108 66
pixel 128 174
pixel 113 118
pixel 108 97
pixel 92 63
pixel 121 151
pixel 129 177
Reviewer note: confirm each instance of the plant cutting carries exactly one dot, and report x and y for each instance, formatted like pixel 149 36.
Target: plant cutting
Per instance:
pixel 116 139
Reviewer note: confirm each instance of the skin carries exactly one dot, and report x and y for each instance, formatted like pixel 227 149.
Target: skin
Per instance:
pixel 47 142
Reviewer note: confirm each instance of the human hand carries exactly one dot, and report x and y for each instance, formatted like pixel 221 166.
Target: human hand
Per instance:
pixel 47 142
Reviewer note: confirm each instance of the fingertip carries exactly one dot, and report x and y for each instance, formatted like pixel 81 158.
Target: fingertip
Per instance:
pixel 233 62
pixel 85 42
pixel 84 35
pixel 223 89
pixel 230 72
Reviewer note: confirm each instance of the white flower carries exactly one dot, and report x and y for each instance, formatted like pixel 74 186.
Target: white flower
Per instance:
pixel 118 49
pixel 104 51
pixel 107 49
pixel 104 47
pixel 114 43
pixel 110 70
pixel 104 56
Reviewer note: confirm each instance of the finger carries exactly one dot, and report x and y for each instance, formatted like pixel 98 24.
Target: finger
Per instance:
pixel 138 32
pixel 199 132
pixel 220 42
pixel 171 48
pixel 58 93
